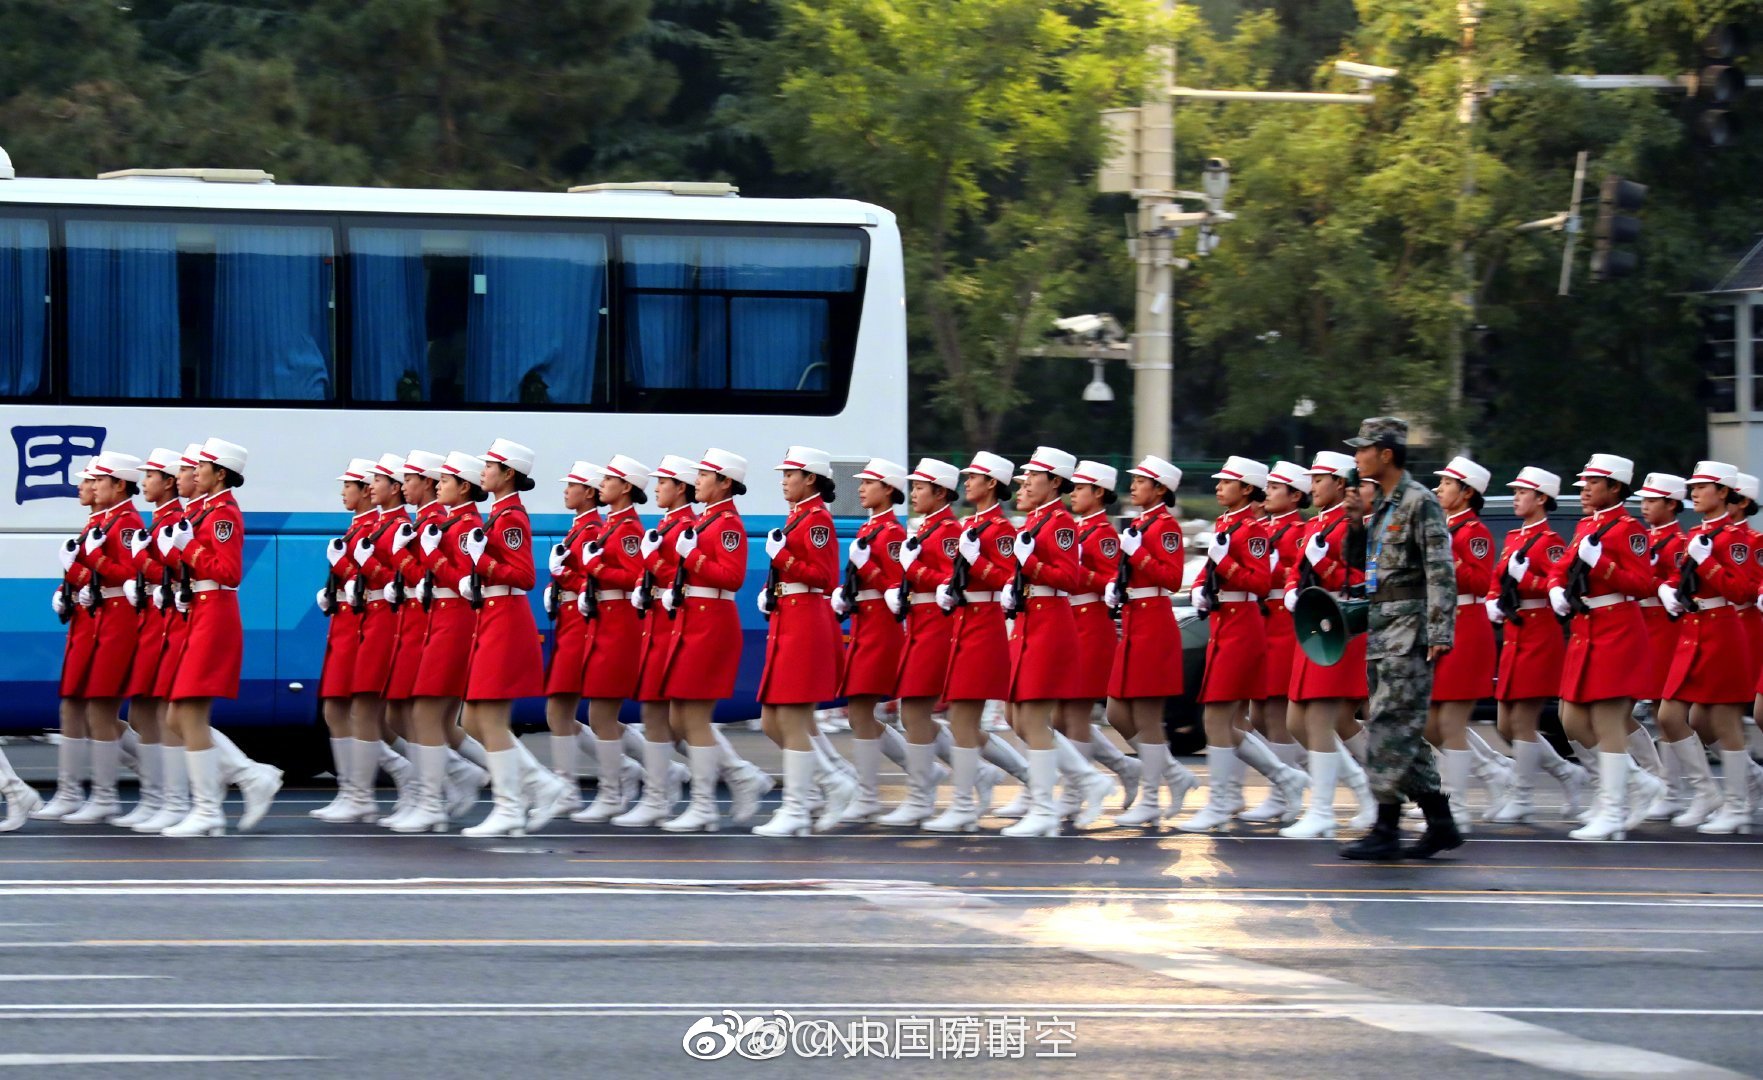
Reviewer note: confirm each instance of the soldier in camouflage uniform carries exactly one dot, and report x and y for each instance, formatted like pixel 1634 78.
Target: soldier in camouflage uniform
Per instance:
pixel 1412 586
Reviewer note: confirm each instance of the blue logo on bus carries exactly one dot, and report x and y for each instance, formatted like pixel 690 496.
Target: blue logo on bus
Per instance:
pixel 48 458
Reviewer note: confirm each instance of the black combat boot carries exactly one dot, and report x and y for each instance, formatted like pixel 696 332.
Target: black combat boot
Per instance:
pixel 1384 842
pixel 1441 828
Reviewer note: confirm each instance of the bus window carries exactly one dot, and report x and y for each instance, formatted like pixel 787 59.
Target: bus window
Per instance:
pixel 475 318
pixel 24 293
pixel 766 314
pixel 201 312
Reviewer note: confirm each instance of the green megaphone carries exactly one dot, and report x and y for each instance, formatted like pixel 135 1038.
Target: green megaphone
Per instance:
pixel 1325 625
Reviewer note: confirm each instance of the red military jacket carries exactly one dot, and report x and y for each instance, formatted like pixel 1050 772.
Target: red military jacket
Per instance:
pixel 1728 571
pixel 408 562
pixel 1472 553
pixel 359 527
pixel 1547 550
pixel 1623 568
pixel 997 557
pixel 1054 561
pixel 1098 552
pixel 216 551
pixel 150 565
pixel 663 563
pixel 885 535
pixel 810 555
pixel 1244 567
pixel 1285 537
pixel 114 561
pixel 939 537
pixel 1159 562
pixel 448 562
pixel 620 567
pixel 720 559
pixel 585 529
pixel 381 566
pixel 1332 572
pixel 1665 548
pixel 508 557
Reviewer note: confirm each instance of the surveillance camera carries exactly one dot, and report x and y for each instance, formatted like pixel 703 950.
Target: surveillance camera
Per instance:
pixel 1365 72
pixel 1079 325
pixel 1215 179
pixel 1098 392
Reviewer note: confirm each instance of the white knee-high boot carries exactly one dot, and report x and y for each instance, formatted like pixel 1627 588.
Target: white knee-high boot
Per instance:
pixel 1153 763
pixel 73 764
pixel 101 805
pixel 206 792
pixel 791 818
pixel 1318 819
pixel 508 812
pixel 1042 818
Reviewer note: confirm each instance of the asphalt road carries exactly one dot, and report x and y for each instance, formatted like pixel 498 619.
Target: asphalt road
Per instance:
pixel 308 950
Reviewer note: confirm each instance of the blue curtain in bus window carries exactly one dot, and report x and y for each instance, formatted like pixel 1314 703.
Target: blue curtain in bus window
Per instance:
pixel 779 344
pixel 389 294
pixel 24 283
pixel 533 325
pixel 122 318
pixel 663 326
pixel 272 297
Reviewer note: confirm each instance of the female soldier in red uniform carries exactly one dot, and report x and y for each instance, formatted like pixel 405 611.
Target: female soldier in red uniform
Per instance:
pixel 210 543
pixel 1710 671
pixel 1531 649
pixel 872 658
pixel 1323 697
pixel 569 637
pixel 612 567
pixel 506 659
pixel 1288 494
pixel 1607 665
pixel 1147 666
pixel 802 647
pixel 375 555
pixel 336 680
pixel 1662 500
pixel 1464 675
pixel 73 756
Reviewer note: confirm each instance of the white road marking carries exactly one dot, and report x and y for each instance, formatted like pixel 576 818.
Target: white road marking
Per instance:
pixel 74 978
pixel 653 945
pixel 138 1059
pixel 1675 931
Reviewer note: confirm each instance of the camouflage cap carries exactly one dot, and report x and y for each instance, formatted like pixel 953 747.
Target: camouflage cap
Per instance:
pixel 1381 431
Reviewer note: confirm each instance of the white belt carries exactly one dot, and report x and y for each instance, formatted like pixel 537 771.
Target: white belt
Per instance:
pixel 502 590
pixel 1237 597
pixel 876 594
pixel 1646 601
pixel 1709 603
pixel 1745 606
pixel 112 594
pixel 1276 594
pixel 1595 602
pixel 704 592
pixel 793 588
pixel 1465 599
pixel 1043 590
pixel 1539 602
pixel 611 594
pixel 564 596
pixel 982 597
pixel 1147 593
pixel 922 598
pixel 1086 598
pixel 439 593
pixel 205 585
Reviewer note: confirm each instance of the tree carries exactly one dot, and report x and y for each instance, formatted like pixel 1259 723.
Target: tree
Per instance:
pixel 976 123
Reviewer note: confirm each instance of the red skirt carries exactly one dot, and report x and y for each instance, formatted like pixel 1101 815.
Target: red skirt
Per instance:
pixel 214 648
pixel 1661 644
pixel 446 651
pixel 979 655
pixel 1344 680
pixel 507 659
pixel 76 656
pixel 569 651
pixel 1282 642
pixel 1607 656
pixel 150 637
pixel 872 659
pixel 1712 663
pixel 924 655
pixel 342 642
pixel 614 652
pixel 1097 637
pixel 803 652
pixel 1147 662
pixel 413 626
pixel 1043 650
pixel 1466 673
pixel 177 628
pixel 1531 651
pixel 658 631
pixel 1236 651
pixel 379 640
pixel 705 654
pixel 113 649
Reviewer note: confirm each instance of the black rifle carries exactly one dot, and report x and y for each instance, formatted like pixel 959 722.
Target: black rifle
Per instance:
pixel 1689 577
pixel 1123 570
pixel 187 576
pixel 1021 581
pixel 773 578
pixel 1209 576
pixel 853 582
pixel 1509 598
pixel 95 597
pixel 916 540
pixel 1272 552
pixel 1579 574
pixel 360 604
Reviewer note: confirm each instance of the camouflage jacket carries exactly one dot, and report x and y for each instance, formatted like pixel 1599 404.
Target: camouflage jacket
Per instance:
pixel 1415 603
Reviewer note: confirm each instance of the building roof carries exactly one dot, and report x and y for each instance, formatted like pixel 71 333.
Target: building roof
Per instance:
pixel 1746 275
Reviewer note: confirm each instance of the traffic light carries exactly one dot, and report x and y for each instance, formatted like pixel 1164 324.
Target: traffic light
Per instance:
pixel 1717 356
pixel 1720 84
pixel 1613 252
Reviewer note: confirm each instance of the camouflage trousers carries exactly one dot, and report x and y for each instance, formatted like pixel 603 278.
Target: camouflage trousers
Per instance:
pixel 1399 762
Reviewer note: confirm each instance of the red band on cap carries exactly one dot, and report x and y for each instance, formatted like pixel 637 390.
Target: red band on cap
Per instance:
pixel 614 472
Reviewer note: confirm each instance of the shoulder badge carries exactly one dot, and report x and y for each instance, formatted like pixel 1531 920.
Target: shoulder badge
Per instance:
pixel 1637 543
pixel 1258 547
pixel 730 540
pixel 819 535
pixel 950 546
pixel 1006 545
pixel 1478 547
pixel 1556 552
pixel 894 551
pixel 1741 553
pixel 1170 542
pixel 223 531
pixel 1110 547
pixel 632 545
pixel 1065 538
pixel 513 538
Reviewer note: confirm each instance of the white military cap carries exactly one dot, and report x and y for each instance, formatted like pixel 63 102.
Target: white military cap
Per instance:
pixel 584 472
pixel 359 470
pixel 989 464
pixel 675 467
pixel 733 466
pixel 424 463
pixel 1549 484
pixel 1608 466
pixel 628 469
pixel 936 471
pixel 1250 472
pixel 1332 463
pixel 466 466
pixel 511 454
pixel 885 471
pixel 1155 468
pixel 1094 472
pixel 192 454
pixel 1461 468
pixel 1291 474
pixel 1747 486
pixel 1714 472
pixel 116 466
pixel 163 460
pixel 807 459
pixel 1050 459
pixel 226 455
pixel 390 466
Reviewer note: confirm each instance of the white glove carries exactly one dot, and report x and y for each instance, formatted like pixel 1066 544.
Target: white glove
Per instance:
pixel 1218 548
pixel 1668 597
pixel 1517 566
pixel 1495 615
pixel 1291 599
pixel 94 540
pixel 431 538
pixel 909 552
pixel 945 597
pixel 858 553
pixel 1111 595
pixel 640 598
pixel 333 551
pixel 352 591
pixel 1010 597
pixel 774 543
pixel 85 596
pixel 425 591
pixel 326 603
pixel 1558 601
pixel 651 543
pixel 1316 550
pixel 469 589
pixel 686 542
pixel 1023 547
pixel 667 600
pixel 1131 540
pixel 58 602
pixel 1198 596
pixel 841 606
pixel 1273 560
pixel 70 550
pixel 592 552
pixel 476 543
pixel 165 541
pixel 178 602
pixel 139 544
pixel 559 556
pixel 969 546
pixel 764 600
pixel 581 603
pixel 1700 548
pixel 390 592
pixel 402 535
pixel 1590 551
pixel 891 597
pixel 159 599
pixel 131 591
pixel 363 551
pixel 182 537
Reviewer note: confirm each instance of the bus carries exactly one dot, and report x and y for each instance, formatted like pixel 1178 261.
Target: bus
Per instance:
pixel 314 324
